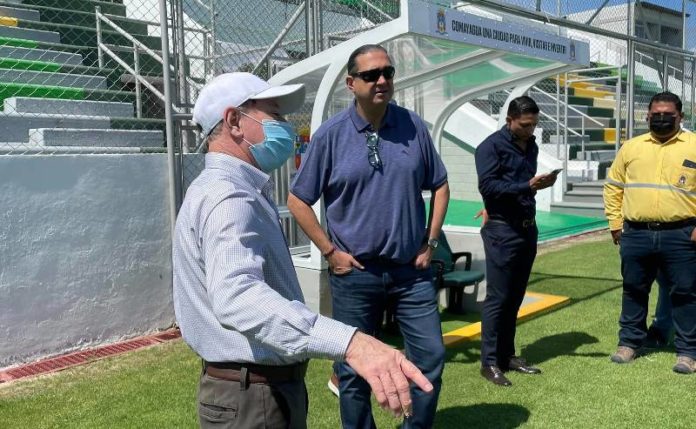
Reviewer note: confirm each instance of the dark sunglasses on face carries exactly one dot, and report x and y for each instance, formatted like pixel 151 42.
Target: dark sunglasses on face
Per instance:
pixel 374 74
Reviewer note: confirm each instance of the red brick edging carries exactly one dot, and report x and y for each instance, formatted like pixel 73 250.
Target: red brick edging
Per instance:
pixel 59 363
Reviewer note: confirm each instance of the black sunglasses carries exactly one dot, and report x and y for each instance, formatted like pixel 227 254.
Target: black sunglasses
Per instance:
pixel 374 74
pixel 373 147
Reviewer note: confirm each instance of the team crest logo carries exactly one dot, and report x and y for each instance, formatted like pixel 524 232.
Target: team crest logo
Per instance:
pixel 441 24
pixel 682 180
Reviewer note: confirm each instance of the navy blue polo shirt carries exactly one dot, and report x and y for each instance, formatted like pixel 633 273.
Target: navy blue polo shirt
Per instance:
pixel 372 213
pixel 504 171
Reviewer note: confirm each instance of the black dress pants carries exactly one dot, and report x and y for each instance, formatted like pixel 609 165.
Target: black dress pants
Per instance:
pixel 510 251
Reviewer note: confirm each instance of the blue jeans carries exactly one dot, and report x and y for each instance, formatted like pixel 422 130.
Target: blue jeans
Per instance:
pixel 359 299
pixel 643 254
pixel 663 310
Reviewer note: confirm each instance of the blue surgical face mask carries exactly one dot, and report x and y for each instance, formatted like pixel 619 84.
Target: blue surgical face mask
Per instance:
pixel 276 148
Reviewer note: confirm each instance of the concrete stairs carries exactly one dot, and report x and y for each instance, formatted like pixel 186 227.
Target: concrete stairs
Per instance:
pixel 591 154
pixel 55 97
pixel 583 198
pixel 19 13
pixel 595 99
pixel 67 107
pixel 95 123
pixel 82 137
pixel 30 34
pixel 52 79
pixel 46 55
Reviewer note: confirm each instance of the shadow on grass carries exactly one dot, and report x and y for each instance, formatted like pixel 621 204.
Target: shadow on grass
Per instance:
pixel 563 344
pixel 537 277
pixel 603 289
pixel 498 416
pixel 466 352
pixel 542 350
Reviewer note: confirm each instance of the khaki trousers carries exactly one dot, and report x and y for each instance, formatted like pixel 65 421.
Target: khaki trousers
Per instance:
pixel 232 404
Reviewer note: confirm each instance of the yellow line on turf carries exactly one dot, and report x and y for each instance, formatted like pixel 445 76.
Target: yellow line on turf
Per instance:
pixel 542 304
pixel 8 21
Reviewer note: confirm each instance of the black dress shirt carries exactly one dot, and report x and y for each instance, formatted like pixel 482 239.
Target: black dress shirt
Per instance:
pixel 504 171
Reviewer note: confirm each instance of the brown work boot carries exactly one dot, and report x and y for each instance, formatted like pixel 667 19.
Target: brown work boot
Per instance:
pixel 685 365
pixel 624 355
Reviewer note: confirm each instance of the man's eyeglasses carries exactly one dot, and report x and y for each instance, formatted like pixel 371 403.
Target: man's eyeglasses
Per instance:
pixel 374 74
pixel 373 147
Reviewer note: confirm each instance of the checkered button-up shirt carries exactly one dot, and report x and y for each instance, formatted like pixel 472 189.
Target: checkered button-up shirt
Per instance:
pixel 236 294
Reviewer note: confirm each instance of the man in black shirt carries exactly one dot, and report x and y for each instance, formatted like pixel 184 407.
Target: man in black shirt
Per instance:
pixel 506 163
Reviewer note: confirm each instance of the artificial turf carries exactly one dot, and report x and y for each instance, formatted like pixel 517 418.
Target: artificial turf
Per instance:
pixel 579 388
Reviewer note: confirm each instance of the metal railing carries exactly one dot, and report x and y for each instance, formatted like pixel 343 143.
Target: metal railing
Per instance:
pixel 137 48
pixel 573 109
pixel 617 109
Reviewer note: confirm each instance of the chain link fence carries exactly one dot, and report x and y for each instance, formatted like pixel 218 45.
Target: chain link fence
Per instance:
pixel 655 20
pixel 598 111
pixel 85 76
pixel 237 36
pixel 669 22
pixel 69 77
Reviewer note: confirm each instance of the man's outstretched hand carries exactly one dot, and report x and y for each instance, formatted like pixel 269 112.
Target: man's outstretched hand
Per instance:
pixel 387 371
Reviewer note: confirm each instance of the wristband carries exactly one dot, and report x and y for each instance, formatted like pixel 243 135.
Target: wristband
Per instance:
pixel 329 253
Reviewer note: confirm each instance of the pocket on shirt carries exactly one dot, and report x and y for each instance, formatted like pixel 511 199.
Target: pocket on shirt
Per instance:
pixel 684 178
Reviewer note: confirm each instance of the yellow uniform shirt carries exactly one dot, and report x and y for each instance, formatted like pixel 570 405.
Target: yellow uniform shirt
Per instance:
pixel 651 181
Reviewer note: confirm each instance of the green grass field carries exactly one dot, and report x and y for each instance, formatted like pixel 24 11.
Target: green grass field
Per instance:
pixel 580 388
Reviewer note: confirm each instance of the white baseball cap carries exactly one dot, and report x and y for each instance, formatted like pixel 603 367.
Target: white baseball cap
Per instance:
pixel 234 89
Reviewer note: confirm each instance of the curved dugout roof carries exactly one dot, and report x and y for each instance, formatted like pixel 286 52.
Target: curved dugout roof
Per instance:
pixel 444 58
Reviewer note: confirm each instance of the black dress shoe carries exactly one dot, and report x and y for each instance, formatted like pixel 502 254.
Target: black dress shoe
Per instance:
pixel 520 365
pixel 495 375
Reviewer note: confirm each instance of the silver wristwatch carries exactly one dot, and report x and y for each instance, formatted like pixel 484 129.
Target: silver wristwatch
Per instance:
pixel 433 243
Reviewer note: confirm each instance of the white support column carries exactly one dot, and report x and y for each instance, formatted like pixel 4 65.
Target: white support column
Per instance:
pixel 516 92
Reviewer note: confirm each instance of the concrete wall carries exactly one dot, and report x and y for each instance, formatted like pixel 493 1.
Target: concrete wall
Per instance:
pixel 85 252
pixel 461 170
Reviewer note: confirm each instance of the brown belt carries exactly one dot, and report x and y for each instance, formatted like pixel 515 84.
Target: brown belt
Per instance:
pixel 256 374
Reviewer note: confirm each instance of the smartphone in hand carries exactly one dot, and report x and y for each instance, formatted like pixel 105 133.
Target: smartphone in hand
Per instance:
pixel 556 171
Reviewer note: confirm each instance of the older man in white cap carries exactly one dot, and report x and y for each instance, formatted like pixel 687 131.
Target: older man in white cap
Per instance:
pixel 236 295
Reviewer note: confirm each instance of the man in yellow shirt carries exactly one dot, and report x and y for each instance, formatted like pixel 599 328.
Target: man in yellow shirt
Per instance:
pixel 650 202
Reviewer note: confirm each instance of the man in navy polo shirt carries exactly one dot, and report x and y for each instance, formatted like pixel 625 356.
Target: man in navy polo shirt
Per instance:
pixel 506 163
pixel 371 162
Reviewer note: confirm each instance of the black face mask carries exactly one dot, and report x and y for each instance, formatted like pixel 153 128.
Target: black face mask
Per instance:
pixel 662 124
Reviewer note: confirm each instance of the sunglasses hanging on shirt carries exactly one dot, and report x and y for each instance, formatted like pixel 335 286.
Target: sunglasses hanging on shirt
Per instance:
pixel 373 147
